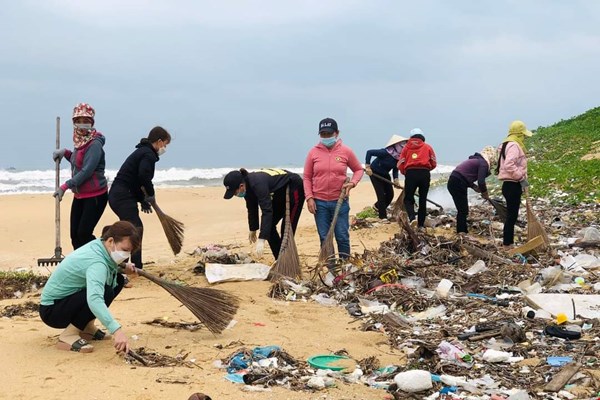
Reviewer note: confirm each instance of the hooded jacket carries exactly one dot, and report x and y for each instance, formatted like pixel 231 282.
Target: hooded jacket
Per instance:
pixel 138 170
pixel 473 169
pixel 90 267
pixel 87 169
pixel 416 155
pixel 325 171
pixel 512 162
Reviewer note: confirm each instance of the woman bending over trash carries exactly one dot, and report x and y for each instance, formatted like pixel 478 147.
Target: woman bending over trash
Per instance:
pixel 84 285
pixel 385 160
pixel 266 189
pixel 475 169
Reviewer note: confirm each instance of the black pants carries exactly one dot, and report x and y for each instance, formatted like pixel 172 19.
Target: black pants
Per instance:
pixel 458 189
pixel 296 204
pixel 85 214
pixel 416 179
pixel 74 309
pixel 512 193
pixel 384 192
pixel 125 205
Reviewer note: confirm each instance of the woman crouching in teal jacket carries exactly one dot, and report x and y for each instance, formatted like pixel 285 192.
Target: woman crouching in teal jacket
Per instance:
pixel 84 285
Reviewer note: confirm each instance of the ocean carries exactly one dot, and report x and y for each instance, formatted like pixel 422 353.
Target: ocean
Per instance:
pixel 14 181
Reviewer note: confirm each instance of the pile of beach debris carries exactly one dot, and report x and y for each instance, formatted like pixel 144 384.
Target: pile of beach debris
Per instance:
pixel 472 319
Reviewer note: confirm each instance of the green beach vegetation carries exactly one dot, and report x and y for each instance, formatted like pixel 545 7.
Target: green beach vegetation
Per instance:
pixel 564 160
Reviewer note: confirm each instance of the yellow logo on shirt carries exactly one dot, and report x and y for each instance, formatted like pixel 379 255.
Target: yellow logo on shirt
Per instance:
pixel 338 159
pixel 414 155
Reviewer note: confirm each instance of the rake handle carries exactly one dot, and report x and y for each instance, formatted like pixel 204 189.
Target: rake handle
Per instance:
pixel 57 246
pixel 381 178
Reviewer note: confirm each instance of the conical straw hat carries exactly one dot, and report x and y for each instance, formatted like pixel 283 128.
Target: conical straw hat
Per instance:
pixel 395 139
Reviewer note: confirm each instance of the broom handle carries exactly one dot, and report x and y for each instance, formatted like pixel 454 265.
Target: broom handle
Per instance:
pixel 338 205
pixel 57 247
pixel 381 178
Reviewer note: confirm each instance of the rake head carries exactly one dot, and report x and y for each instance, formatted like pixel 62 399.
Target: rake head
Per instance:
pixel 55 260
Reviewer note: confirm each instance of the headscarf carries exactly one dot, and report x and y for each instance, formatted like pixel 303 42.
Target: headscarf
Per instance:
pixel 395 149
pixel 517 132
pixel 490 155
pixel 81 137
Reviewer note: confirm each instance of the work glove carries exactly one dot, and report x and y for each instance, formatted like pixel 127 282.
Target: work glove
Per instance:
pixel 59 193
pixel 149 199
pixel 524 184
pixel 476 189
pixel 485 195
pixel 260 247
pixel 146 208
pixel 252 236
pixel 58 154
pixel 368 169
pixel 397 182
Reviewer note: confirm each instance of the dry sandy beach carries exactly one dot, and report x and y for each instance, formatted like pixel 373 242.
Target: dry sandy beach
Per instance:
pixel 32 368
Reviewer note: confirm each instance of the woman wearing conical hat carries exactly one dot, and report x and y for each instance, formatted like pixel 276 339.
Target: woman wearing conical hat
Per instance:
pixel 386 160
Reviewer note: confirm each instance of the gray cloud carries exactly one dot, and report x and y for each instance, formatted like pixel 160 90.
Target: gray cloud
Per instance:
pixel 245 83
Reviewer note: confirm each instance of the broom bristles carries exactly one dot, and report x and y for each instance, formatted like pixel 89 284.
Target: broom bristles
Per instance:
pixel 173 229
pixel 398 206
pixel 534 226
pixel 214 308
pixel 288 261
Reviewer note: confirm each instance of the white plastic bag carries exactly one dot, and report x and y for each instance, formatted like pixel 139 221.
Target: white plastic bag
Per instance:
pixel 413 381
pixel 236 272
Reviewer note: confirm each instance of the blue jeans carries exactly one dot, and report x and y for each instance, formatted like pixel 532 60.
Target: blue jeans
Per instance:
pixel 323 218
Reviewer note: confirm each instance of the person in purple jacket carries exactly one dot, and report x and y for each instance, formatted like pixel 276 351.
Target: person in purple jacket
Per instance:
pixel 88 183
pixel 475 169
pixel 385 161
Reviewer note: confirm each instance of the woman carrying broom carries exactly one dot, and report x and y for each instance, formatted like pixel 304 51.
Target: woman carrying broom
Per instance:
pixel 266 189
pixel 385 160
pixel 512 170
pixel 475 169
pixel 133 183
pixel 87 182
pixel 84 285
pixel 324 177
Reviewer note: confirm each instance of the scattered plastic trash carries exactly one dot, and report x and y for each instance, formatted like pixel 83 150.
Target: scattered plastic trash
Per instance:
pixel 454 354
pixel 413 381
pixel 476 268
pixel 444 287
pixel 558 361
pixel 324 300
pixel 495 356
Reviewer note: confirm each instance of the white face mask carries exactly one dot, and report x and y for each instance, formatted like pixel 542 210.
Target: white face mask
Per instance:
pixel 161 151
pixel 119 256
pixel 83 126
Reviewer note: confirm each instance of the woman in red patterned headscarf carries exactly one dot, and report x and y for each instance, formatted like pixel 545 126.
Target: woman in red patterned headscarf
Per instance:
pixel 87 182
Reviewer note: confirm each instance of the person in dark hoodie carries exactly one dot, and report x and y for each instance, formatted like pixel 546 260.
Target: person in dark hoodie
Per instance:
pixel 385 160
pixel 416 161
pixel 87 182
pixel 133 183
pixel 475 169
pixel 267 189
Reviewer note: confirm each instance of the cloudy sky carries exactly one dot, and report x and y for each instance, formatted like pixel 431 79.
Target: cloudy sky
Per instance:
pixel 245 83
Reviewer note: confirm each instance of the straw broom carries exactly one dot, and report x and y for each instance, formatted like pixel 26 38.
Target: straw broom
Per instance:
pixel 214 308
pixel 534 226
pixel 500 209
pixel 173 228
pixel 288 261
pixel 327 249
